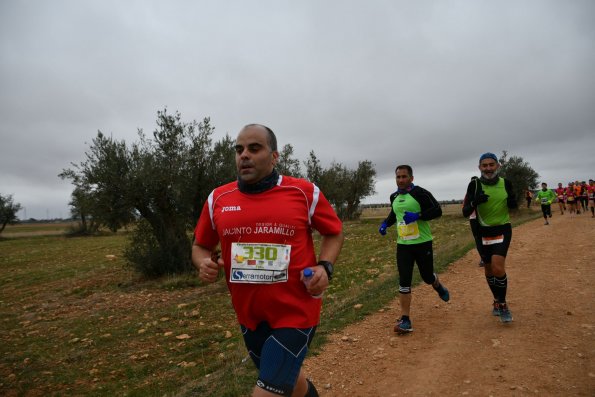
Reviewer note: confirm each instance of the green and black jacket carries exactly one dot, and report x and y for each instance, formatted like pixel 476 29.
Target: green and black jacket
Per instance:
pixel 430 208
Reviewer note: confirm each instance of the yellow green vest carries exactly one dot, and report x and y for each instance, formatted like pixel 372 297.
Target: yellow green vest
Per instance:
pixel 416 232
pixel 494 212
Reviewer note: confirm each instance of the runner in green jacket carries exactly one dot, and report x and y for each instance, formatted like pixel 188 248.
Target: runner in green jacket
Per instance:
pixel 546 197
pixel 411 209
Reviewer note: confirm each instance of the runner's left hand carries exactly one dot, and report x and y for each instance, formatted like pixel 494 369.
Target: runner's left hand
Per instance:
pixel 410 217
pixel 319 281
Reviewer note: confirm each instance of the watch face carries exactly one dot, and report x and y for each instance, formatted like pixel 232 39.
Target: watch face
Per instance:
pixel 330 268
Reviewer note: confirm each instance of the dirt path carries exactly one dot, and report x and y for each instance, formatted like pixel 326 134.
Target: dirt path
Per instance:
pixel 459 348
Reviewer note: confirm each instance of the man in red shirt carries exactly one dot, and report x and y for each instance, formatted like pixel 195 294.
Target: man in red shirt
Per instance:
pixel 583 196
pixel 591 193
pixel 264 223
pixel 561 196
pixel 571 199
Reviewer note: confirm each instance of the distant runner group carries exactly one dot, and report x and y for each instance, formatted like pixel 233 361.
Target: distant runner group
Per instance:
pixel 576 198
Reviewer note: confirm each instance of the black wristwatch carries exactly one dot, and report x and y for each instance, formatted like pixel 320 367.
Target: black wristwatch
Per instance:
pixel 328 268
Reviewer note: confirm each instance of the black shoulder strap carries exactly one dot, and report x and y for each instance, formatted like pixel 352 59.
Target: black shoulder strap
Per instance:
pixel 477 187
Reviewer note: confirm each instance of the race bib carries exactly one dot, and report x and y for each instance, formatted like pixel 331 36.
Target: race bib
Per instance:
pixel 544 201
pixel 492 240
pixel 258 263
pixel 570 199
pixel 560 198
pixel 408 232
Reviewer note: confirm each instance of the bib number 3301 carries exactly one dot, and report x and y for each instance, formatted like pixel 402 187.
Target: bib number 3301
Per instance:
pixel 258 263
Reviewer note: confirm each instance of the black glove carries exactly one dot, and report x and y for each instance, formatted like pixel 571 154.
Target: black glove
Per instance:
pixel 479 199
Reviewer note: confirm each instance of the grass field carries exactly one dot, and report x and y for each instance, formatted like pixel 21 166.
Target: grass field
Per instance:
pixel 76 320
pixel 29 229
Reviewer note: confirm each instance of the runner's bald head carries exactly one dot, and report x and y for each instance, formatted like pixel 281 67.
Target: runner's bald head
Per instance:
pixel 271 138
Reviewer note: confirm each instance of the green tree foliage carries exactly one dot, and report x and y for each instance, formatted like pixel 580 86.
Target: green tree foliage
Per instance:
pixel 313 168
pixel 82 205
pixel 164 180
pixel 99 198
pixel 8 211
pixel 519 172
pixel 287 164
pixel 343 187
pixel 362 182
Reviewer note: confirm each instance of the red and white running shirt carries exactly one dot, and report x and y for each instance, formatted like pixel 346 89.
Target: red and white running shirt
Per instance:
pixel 260 234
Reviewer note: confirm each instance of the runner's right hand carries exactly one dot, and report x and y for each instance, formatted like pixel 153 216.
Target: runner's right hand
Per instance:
pixel 480 198
pixel 208 269
pixel 382 229
pixel 410 217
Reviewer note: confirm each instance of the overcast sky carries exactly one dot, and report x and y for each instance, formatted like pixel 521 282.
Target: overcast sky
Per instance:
pixel 430 83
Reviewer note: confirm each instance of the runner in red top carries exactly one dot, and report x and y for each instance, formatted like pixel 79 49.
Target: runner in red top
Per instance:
pixel 255 234
pixel 264 223
pixel 561 196
pixel 591 193
pixel 583 197
pixel 577 196
pixel 571 199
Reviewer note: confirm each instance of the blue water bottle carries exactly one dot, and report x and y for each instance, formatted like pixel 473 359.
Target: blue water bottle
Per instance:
pixel 308 273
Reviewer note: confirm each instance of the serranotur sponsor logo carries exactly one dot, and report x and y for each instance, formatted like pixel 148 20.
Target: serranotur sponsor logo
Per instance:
pixel 257 276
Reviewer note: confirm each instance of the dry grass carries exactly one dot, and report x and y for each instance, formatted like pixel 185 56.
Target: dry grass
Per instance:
pixel 382 212
pixel 77 321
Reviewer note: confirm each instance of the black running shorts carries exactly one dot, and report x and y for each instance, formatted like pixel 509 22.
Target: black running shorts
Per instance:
pixel 495 241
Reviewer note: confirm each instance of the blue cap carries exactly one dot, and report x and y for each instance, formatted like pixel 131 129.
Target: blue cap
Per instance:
pixel 308 272
pixel 488 155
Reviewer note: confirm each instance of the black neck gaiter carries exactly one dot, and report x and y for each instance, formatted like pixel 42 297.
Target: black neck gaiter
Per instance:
pixel 266 183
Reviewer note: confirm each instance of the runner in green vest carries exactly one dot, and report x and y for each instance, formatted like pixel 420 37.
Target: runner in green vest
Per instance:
pixel 546 197
pixel 411 209
pixel 491 197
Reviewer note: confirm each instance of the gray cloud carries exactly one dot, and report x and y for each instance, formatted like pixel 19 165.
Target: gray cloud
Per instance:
pixel 433 84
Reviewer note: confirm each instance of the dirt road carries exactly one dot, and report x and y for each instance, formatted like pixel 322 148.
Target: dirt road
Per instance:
pixel 459 348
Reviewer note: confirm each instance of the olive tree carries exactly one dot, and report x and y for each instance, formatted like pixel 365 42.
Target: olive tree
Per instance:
pixel 287 164
pixel 8 211
pixel 160 182
pixel 343 187
pixel 519 172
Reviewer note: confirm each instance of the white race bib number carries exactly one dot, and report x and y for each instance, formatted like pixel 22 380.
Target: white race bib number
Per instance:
pixel 492 240
pixel 408 232
pixel 258 263
pixel 544 201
